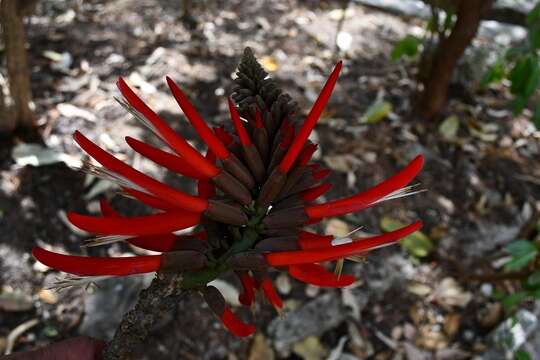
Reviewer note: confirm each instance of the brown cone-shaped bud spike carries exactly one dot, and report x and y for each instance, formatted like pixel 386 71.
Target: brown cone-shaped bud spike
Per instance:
pixel 272 187
pixel 289 202
pixel 177 261
pixel 277 155
pixel 306 181
pixel 260 139
pixel 254 162
pixel 239 171
pixel 226 213
pixel 248 261
pixel 292 179
pixel 286 218
pixel 231 186
pixel 278 243
pixel 214 299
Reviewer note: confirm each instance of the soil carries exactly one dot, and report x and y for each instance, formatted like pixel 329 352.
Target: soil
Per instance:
pixel 474 183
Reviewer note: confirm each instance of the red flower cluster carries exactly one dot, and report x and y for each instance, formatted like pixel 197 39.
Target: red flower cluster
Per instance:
pixel 257 189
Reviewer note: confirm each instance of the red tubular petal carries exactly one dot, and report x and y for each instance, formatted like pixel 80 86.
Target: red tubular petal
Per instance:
pixel 308 240
pixel 206 188
pixel 270 293
pixel 235 325
pixel 206 134
pixel 223 135
pixel 310 121
pixel 97 266
pixel 170 161
pixel 306 154
pixel 315 192
pixel 175 141
pixel 164 192
pixel 138 225
pixel 238 124
pixel 315 274
pixel 288 138
pixel 368 197
pixel 248 284
pixel 339 251
pixel 150 200
pixel 107 209
pixel 321 174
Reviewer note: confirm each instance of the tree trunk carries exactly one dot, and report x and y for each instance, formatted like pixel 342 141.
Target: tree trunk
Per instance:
pixel 20 116
pixel 447 54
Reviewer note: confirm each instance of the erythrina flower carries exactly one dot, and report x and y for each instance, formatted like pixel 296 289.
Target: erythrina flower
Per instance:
pixel 257 189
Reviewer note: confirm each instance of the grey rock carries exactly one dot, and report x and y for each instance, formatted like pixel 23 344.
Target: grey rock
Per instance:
pixel 106 306
pixel 510 335
pixel 314 318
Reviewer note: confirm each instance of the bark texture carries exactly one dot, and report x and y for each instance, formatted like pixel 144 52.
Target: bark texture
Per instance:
pixel 160 298
pixel 12 14
pixel 447 54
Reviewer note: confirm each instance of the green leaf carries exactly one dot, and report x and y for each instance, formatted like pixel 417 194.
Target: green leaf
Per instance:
pixel 494 75
pixel 519 74
pixel 522 355
pixel 408 46
pixel 534 37
pixel 536 115
pixel 533 280
pixel 523 252
pixel 376 112
pixel 520 247
pixel 534 15
pixel 510 301
pixel 533 78
pixel 536 294
pixel 518 104
pixel 417 244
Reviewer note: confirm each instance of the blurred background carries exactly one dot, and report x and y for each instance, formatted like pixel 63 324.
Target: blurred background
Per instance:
pixel 455 80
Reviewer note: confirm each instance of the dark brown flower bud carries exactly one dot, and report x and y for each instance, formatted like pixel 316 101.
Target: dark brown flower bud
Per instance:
pixel 254 162
pixel 231 186
pixel 292 179
pixel 239 171
pixel 191 243
pixel 177 261
pixel 286 218
pixel 282 231
pixel 214 299
pixel 260 139
pixel 247 261
pixel 278 243
pixel 289 202
pixel 226 213
pixel 272 187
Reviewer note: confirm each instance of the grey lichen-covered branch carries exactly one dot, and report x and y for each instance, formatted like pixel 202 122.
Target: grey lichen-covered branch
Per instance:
pixel 153 303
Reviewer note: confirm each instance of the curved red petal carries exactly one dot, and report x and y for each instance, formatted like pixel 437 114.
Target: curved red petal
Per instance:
pixel 164 192
pixel 174 140
pixel 238 124
pixel 370 196
pixel 270 293
pixel 339 251
pixel 315 192
pixel 315 274
pixel 106 208
pixel 206 134
pixel 170 161
pixel 235 325
pixel 97 266
pixel 308 240
pixel 138 225
pixel 311 120
pixel 248 284
pixel 151 200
